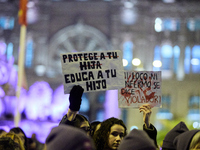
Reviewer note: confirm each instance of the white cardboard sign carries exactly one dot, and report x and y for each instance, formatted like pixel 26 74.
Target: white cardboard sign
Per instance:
pixel 141 87
pixel 94 71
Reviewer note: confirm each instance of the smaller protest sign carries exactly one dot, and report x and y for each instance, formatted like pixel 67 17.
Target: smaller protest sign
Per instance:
pixel 141 87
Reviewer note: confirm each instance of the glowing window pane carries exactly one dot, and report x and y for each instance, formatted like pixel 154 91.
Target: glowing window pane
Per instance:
pixel 167 54
pixel 157 57
pixel 167 51
pixel 187 60
pixel 191 24
pixel 167 24
pixel 7 23
pixel 29 53
pixel 164 112
pixel 197 24
pixel 194 107
pixel 176 58
pixel 128 53
pixel 9 51
pixel 196 59
pixel 158 25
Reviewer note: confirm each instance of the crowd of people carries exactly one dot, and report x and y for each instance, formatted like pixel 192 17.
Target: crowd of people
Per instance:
pixel 75 132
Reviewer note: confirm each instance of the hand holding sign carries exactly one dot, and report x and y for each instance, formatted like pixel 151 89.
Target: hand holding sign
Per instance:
pixel 146 109
pixel 75 97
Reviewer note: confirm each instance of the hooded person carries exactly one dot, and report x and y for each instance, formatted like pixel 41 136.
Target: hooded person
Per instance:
pixel 189 140
pixel 65 137
pixel 137 140
pixel 172 134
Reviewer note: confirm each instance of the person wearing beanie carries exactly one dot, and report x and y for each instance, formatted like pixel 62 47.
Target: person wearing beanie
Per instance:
pixel 172 134
pixel 137 140
pixel 72 118
pixel 65 137
pixel 189 140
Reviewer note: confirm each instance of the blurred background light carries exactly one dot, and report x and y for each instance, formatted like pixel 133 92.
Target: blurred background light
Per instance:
pixel 136 61
pixel 195 125
pixel 133 127
pixel 125 62
pixel 195 61
pixel 157 63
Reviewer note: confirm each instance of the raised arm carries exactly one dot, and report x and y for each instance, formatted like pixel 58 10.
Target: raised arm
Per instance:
pixel 75 99
pixel 148 127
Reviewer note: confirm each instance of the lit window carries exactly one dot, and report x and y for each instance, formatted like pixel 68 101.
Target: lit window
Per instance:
pixel 167 54
pixel 29 53
pixel 176 58
pixel 167 24
pixel 187 60
pixel 7 23
pixel 164 112
pixel 128 53
pixel 195 61
pixel 158 25
pixel 9 51
pixel 194 107
pixel 193 24
pixel 157 58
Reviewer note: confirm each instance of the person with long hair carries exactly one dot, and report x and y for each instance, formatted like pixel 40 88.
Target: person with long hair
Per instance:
pixel 110 134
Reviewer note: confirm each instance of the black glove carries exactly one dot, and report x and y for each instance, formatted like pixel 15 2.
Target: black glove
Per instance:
pixel 75 97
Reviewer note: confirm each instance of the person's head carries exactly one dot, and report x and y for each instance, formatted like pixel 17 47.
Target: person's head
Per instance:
pixel 172 134
pixel 110 134
pixel 95 125
pixel 15 138
pixel 31 144
pixel 2 131
pixel 6 143
pixel 195 143
pixel 82 123
pixel 137 140
pixel 21 134
pixel 188 140
pixel 68 137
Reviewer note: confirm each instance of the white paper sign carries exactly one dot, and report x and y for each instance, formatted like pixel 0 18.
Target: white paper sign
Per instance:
pixel 141 87
pixel 94 71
